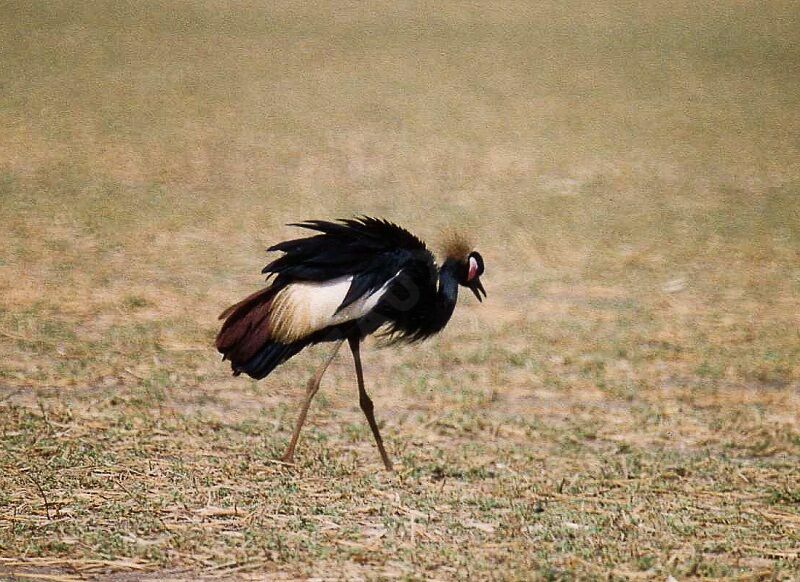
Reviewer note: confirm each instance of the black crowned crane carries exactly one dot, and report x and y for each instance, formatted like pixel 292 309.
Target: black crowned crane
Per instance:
pixel 356 277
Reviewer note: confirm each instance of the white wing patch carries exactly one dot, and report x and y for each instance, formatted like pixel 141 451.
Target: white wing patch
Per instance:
pixel 302 308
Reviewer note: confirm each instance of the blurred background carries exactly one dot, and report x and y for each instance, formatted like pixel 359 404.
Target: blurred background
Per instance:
pixel 150 152
pixel 630 172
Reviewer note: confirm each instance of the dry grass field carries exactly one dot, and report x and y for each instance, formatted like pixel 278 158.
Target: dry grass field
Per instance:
pixel 626 403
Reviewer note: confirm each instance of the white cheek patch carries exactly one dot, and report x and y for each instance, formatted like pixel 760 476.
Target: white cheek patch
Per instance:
pixel 473 269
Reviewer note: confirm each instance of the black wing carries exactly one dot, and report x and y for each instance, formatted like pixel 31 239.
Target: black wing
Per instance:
pixel 371 250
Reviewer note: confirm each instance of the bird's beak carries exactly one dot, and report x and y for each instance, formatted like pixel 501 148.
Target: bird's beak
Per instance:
pixel 477 289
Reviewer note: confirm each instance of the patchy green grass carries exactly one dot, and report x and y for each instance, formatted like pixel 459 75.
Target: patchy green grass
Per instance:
pixel 627 402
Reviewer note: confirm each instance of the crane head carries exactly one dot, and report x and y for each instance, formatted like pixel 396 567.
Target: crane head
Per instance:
pixel 471 271
pixel 469 263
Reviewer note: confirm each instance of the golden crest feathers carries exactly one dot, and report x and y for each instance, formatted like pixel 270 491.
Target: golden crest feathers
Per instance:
pixel 456 246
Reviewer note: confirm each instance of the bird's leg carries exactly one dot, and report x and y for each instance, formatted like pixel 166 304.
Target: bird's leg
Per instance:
pixel 311 390
pixel 365 402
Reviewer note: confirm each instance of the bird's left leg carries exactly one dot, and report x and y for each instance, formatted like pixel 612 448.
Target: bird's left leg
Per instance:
pixel 311 390
pixel 365 402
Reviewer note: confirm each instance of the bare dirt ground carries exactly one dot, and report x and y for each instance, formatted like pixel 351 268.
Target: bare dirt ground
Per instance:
pixel 626 403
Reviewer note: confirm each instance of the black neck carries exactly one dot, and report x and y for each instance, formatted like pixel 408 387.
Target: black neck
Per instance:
pixel 446 295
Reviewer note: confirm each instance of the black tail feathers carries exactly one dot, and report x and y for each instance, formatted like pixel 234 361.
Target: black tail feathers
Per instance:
pixel 269 357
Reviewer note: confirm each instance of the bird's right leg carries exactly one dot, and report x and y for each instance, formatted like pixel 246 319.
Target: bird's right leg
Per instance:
pixel 366 402
pixel 311 390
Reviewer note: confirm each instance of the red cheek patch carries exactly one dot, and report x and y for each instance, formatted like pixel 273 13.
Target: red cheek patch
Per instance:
pixel 473 269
